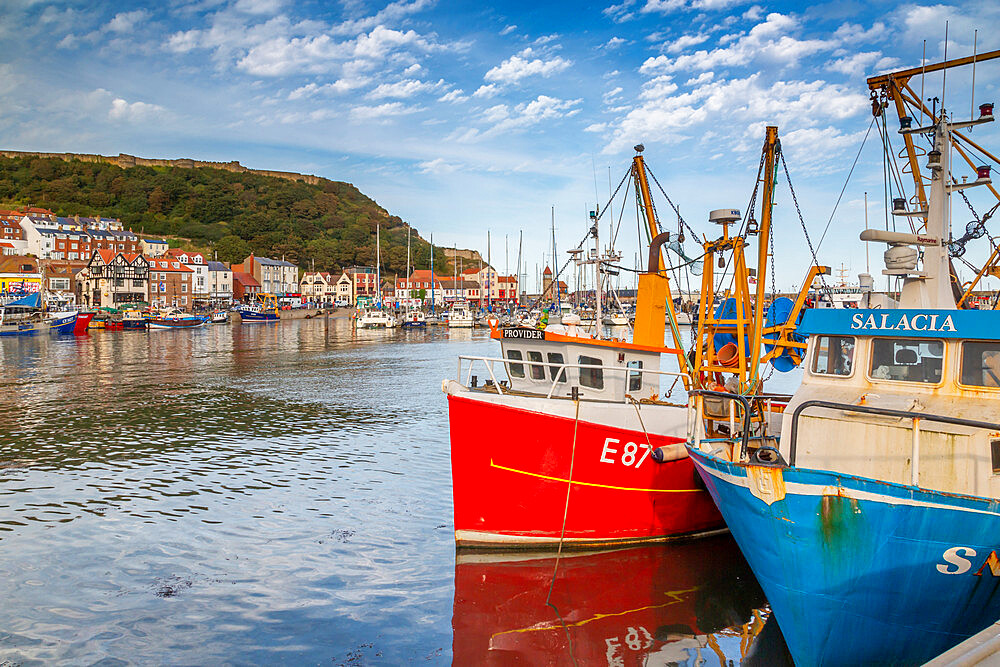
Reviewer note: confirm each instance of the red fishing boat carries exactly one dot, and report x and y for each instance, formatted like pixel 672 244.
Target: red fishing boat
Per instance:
pixel 572 438
pixel 654 604
pixel 83 319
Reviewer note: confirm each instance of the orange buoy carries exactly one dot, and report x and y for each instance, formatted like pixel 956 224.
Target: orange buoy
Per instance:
pixel 728 355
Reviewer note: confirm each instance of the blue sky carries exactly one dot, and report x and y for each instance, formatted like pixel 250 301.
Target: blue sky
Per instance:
pixel 468 117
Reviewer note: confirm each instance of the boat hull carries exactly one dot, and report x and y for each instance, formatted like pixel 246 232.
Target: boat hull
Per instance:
pixel 82 323
pixel 250 317
pixel 510 483
pixel 192 323
pixel 858 570
pixel 62 325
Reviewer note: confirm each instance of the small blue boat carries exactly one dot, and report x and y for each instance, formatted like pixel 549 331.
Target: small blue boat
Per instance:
pixel 263 309
pixel 872 521
pixel 24 317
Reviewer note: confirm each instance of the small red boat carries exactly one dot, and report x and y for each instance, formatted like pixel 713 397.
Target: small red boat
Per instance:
pixel 83 319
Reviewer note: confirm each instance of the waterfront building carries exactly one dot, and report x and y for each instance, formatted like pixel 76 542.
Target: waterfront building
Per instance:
pixel 112 278
pixel 460 290
pixel 171 283
pixel 357 281
pixel 275 276
pixel 7 248
pixel 154 247
pixel 196 262
pixel 61 286
pixel 244 285
pixel 318 286
pixel 220 283
pixel 421 285
pixel 19 275
pixel 10 227
pixel 73 238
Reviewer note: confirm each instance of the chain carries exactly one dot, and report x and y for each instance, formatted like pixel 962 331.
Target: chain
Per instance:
pixel 802 221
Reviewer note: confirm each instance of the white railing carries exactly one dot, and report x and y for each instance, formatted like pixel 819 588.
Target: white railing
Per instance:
pixel 490 362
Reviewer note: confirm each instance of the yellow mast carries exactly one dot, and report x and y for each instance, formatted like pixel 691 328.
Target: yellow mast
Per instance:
pixel 763 238
pixel 652 293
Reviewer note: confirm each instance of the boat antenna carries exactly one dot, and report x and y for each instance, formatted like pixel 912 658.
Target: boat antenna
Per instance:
pixel 972 97
pixel 944 72
pixel 868 267
pixel 923 72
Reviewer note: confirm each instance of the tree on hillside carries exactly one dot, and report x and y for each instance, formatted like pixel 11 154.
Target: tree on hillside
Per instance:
pixel 232 249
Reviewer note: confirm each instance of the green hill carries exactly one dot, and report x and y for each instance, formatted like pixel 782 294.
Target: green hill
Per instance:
pixel 330 223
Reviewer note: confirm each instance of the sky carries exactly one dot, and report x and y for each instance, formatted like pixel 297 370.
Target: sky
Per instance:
pixel 464 118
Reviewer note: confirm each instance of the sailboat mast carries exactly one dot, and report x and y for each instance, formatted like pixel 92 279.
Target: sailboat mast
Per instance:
pixel 517 284
pixel 489 268
pixel 409 294
pixel 378 268
pixel 432 274
pixel 555 261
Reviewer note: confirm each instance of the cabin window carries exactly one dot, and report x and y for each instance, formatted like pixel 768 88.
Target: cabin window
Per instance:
pixel 515 370
pixel 556 358
pixel 981 364
pixel 537 372
pixel 834 355
pixel 635 377
pixel 591 377
pixel 995 455
pixel 907 360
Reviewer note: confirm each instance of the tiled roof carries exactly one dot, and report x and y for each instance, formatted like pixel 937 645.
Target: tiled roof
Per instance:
pixel 245 279
pixel 217 266
pixel 265 261
pixel 14 263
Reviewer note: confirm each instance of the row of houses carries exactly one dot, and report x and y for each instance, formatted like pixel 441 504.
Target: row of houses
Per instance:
pixel 475 285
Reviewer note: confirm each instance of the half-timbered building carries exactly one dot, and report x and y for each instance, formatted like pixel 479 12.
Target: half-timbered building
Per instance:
pixel 114 278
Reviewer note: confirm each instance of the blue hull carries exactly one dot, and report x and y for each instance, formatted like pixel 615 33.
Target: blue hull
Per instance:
pixel 64 325
pixel 414 324
pixel 858 570
pixel 258 317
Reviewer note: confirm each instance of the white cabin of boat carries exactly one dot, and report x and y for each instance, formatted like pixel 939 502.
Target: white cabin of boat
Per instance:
pixel 601 369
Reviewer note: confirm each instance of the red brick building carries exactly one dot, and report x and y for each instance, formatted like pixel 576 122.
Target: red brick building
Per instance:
pixel 170 283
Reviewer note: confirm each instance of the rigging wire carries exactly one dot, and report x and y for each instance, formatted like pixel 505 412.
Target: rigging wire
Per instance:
pixel 849 173
pixel 802 222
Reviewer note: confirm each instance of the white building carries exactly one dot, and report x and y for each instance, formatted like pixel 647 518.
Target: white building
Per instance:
pixel 220 283
pixel 199 280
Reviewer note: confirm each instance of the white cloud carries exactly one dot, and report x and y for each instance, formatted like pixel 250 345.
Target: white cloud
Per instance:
pixel 741 102
pixel 516 68
pixel 613 43
pixel 527 114
pixel 509 29
pixel 855 64
pixel 404 89
pixel 684 41
pixel 611 95
pixel 438 166
pixel 453 96
pixel 382 111
pixel 754 13
pixel 136 111
pixel 258 6
pixel 125 22
pixel 764 41
pixel 486 91
pixel 412 69
pixel 702 78
pixel 394 11
pixel 337 87
pixel 621 12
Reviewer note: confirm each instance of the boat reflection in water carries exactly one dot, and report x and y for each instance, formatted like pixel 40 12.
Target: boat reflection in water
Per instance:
pixel 685 603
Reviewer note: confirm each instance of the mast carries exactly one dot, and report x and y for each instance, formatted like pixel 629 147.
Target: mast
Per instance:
pixel 378 268
pixel 489 286
pixel 454 272
pixel 517 283
pixel 555 260
pixel 432 274
pixel 409 294
pixel 764 235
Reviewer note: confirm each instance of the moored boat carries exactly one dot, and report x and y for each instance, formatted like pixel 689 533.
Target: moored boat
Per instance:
pixel 263 309
pixel 460 316
pixel 220 317
pixel 870 521
pixel 574 439
pixel 174 319
pixel 414 318
pixel 375 318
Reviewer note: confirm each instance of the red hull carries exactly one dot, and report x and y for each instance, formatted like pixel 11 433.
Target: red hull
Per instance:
pixel 82 321
pixel 511 466
pixel 644 605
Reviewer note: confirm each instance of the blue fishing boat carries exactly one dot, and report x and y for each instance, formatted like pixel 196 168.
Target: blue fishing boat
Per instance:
pixel 872 519
pixel 263 309
pixel 24 317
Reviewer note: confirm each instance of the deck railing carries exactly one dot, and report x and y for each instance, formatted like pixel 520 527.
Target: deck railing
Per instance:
pixel 490 362
pixel 914 417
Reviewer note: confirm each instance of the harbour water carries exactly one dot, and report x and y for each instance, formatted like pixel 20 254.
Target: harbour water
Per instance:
pixel 282 494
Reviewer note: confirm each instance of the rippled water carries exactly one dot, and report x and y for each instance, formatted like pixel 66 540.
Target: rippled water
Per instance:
pixel 266 494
